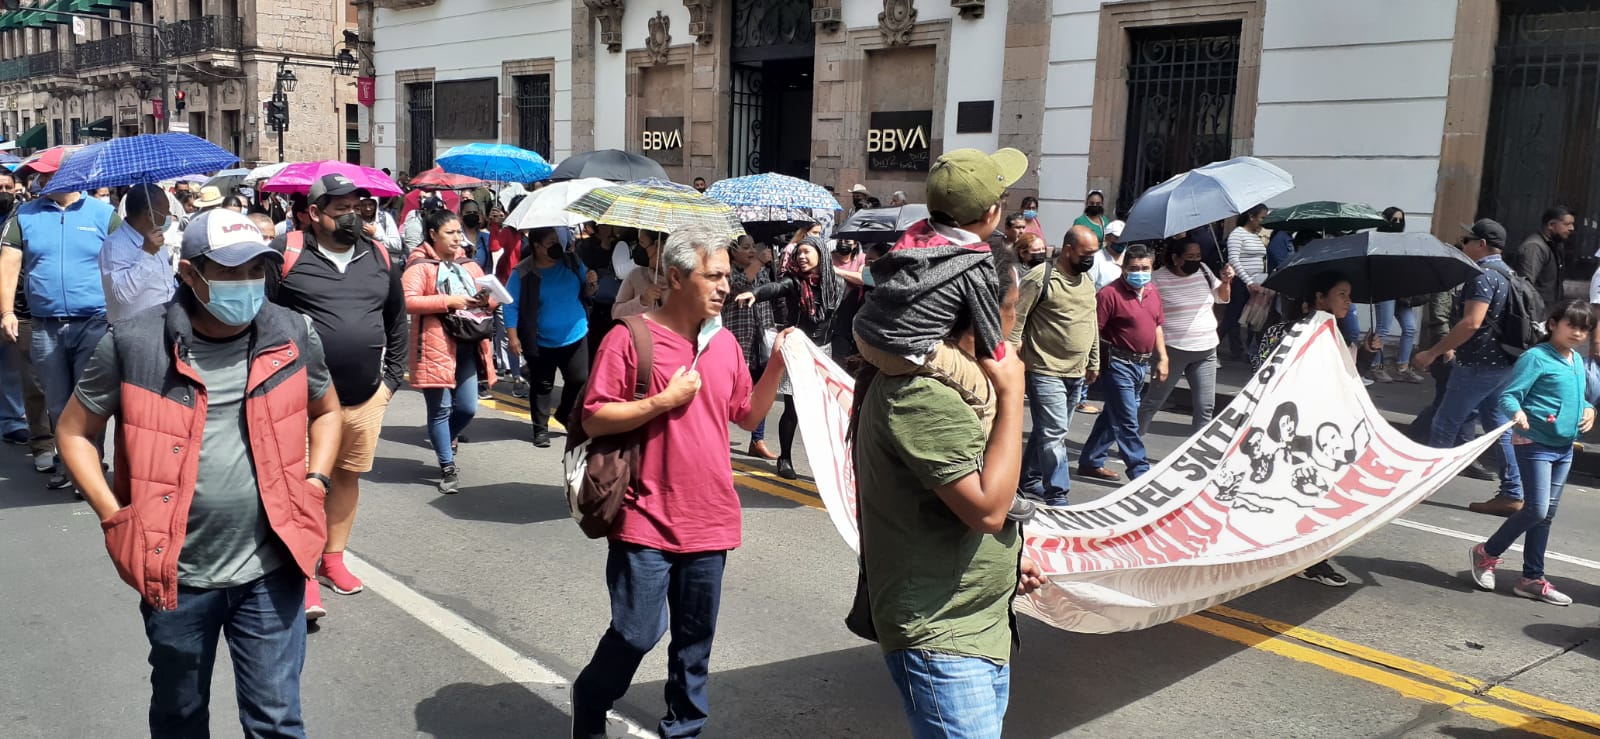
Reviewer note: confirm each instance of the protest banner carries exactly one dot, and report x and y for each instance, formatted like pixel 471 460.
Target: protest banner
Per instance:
pixel 1298 467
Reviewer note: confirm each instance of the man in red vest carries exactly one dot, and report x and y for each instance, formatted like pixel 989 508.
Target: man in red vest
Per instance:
pixel 226 433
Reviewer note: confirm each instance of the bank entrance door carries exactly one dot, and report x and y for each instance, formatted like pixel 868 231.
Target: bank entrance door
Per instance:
pixel 773 45
pixel 1544 123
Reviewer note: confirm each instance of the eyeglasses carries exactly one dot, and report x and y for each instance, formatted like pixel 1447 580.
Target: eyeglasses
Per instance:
pixel 1467 240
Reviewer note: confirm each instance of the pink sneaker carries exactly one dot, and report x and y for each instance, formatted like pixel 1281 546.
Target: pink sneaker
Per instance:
pixel 314 609
pixel 332 572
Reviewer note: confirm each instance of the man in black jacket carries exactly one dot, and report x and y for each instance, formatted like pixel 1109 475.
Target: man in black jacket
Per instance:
pixel 1538 257
pixel 345 284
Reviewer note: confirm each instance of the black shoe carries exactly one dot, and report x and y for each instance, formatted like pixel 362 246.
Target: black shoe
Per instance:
pixel 1477 471
pixel 58 481
pixel 484 393
pixel 1322 572
pixel 541 438
pixel 450 484
pixel 786 469
pixel 17 438
pixel 519 391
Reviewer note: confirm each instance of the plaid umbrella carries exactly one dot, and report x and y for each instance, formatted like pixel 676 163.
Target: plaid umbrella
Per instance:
pixel 656 208
pixel 438 179
pixel 500 162
pixel 772 190
pixel 138 159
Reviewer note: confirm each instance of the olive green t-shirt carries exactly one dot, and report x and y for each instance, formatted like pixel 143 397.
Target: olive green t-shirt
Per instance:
pixel 934 583
pixel 1059 334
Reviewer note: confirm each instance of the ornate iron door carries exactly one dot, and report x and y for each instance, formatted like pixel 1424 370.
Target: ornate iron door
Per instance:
pixel 1543 148
pixel 744 131
pixel 1181 83
pixel 419 106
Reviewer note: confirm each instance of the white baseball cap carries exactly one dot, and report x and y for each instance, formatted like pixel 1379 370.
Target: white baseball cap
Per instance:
pixel 225 237
pixel 1114 228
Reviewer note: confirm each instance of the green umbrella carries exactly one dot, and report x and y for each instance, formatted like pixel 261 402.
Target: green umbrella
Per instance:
pixel 1324 215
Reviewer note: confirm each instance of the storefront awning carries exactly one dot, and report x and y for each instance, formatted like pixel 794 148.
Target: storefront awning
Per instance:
pixel 99 128
pixel 34 138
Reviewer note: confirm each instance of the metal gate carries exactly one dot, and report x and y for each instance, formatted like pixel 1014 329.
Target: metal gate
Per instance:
pixel 744 139
pixel 1181 83
pixel 533 113
pixel 1544 115
pixel 419 106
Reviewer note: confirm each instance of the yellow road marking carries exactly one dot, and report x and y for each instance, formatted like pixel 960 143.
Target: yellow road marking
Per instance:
pixel 1406 687
pixel 1455 691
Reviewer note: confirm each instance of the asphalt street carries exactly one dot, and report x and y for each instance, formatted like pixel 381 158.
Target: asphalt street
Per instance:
pixel 480 608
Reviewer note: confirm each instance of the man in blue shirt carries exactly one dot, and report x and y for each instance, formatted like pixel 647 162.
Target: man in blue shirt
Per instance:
pixel 1481 368
pixel 57 238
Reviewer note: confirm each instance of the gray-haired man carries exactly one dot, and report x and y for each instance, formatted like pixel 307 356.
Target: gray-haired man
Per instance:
pixel 671 539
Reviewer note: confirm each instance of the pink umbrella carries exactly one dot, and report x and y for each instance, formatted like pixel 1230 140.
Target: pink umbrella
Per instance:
pixel 298 177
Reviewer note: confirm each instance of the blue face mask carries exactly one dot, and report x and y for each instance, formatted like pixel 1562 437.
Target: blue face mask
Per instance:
pixel 236 302
pixel 1138 279
pixel 708 331
pixel 866 276
pixel 1030 214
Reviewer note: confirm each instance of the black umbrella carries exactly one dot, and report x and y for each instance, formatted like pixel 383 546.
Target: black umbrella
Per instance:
pixel 608 164
pixel 877 225
pixel 1379 266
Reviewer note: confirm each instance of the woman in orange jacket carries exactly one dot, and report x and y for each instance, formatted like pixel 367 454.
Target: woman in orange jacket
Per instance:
pixel 444 368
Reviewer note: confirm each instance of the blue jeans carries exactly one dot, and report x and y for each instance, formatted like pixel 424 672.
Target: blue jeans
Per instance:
pixel 451 409
pixel 950 696
pixel 1045 472
pixel 646 585
pixel 13 411
pixel 1386 313
pixel 1120 386
pixel 264 622
pixel 61 350
pixel 1476 390
pixel 1544 470
pixel 1350 326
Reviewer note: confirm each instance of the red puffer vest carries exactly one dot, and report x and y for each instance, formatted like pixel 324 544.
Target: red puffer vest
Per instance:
pixel 159 428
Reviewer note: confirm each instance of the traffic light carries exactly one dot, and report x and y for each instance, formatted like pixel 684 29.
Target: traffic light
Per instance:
pixel 180 101
pixel 278 115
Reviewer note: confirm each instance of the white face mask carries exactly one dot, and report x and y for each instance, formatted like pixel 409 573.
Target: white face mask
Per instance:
pixel 103 198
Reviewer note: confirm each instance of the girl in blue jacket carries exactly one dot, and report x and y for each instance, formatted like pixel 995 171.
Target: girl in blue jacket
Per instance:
pixel 1547 406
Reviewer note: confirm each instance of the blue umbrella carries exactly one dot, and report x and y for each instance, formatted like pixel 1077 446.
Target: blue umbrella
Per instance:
pixel 772 190
pixel 138 159
pixel 7 157
pixel 1203 195
pixel 502 162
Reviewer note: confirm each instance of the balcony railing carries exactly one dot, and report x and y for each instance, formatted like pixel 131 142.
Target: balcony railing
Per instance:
pixel 137 47
pixel 14 69
pixel 38 66
pixel 201 34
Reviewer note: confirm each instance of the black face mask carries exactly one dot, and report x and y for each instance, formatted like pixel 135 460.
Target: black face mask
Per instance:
pixel 347 229
pixel 553 251
pixel 1190 267
pixel 639 255
pixel 1094 211
pixel 7 202
pixel 1031 259
pixel 1085 264
pixel 472 220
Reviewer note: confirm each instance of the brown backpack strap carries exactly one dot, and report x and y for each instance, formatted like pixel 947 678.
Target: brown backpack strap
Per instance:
pixel 644 351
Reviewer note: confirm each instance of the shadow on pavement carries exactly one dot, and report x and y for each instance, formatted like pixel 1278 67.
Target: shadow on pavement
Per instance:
pixel 470 711
pixel 507 502
pixel 1583 640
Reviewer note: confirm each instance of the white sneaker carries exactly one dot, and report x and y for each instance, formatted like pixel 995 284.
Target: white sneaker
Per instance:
pixel 44 462
pixel 1366 381
pixel 1483 568
pixel 1541 590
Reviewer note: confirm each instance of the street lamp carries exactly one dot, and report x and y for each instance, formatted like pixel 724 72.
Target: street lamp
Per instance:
pixel 345 63
pixel 278 107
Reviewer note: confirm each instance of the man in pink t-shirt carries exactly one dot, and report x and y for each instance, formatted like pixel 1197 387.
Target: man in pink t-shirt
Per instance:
pixel 672 536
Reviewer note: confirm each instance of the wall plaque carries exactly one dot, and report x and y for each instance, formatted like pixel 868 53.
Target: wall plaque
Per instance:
pixel 662 139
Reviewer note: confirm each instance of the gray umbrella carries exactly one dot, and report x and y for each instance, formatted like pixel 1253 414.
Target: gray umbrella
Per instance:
pixel 1203 195
pixel 608 164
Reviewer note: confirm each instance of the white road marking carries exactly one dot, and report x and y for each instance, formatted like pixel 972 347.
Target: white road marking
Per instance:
pixel 536 677
pixel 1464 536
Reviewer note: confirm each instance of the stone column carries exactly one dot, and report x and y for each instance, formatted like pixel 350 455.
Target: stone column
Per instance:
pixel 1022 87
pixel 1466 118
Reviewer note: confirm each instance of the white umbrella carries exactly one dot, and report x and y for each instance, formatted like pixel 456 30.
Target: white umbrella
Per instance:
pixel 510 193
pixel 547 206
pixel 265 172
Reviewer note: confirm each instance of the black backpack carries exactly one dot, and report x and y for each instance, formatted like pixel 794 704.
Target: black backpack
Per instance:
pixel 1521 324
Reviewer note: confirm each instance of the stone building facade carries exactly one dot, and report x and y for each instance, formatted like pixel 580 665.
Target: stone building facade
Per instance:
pixel 1448 109
pixel 223 55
